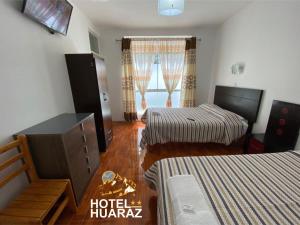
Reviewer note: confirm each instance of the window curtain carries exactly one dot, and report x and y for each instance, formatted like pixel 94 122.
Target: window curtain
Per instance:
pixel 130 113
pixel 143 56
pixel 188 85
pixel 172 55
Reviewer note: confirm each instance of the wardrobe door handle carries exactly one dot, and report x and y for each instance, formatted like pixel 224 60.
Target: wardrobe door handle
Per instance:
pixel 86 150
pixel 87 159
pixel 84 138
pixel 81 127
pixel 89 169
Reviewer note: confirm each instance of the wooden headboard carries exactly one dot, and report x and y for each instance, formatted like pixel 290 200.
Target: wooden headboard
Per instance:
pixel 242 101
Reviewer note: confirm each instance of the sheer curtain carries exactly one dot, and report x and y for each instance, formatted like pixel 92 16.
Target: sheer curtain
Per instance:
pixel 177 58
pixel 172 54
pixel 143 56
pixel 188 85
pixel 128 89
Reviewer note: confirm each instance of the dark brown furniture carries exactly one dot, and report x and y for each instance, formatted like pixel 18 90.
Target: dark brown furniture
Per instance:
pixel 242 101
pixel 65 147
pixel 283 127
pixel 90 92
pixel 256 144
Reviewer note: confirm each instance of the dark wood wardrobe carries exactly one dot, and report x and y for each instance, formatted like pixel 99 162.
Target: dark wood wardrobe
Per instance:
pixel 88 78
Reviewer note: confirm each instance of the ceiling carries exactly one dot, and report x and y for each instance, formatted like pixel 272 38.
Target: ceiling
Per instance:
pixel 143 13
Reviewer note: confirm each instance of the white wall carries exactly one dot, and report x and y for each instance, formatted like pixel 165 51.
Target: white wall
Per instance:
pixel 34 83
pixel 111 51
pixel 266 36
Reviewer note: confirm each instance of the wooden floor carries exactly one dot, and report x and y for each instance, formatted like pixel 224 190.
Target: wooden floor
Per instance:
pixel 125 157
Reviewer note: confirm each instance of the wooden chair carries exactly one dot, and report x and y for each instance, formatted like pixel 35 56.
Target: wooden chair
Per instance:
pixel 43 200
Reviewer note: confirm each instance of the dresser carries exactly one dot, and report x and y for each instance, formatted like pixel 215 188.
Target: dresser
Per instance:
pixel 88 79
pixel 65 147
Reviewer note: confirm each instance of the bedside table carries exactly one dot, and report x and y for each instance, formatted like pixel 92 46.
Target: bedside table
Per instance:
pixel 256 144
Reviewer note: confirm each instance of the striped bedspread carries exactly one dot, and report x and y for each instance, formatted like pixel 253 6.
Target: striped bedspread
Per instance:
pixel 203 124
pixel 240 189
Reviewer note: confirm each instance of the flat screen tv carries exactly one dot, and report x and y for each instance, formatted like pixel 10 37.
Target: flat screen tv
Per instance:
pixel 54 14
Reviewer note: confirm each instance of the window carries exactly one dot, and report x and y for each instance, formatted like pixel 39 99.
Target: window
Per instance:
pixel 94 42
pixel 157 94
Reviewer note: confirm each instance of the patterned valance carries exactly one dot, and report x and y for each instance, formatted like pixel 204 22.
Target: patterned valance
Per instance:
pixel 190 43
pixel 126 43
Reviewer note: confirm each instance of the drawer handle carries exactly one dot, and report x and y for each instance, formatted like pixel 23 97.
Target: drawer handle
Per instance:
pixel 89 169
pixel 86 150
pixel 81 127
pixel 84 138
pixel 87 160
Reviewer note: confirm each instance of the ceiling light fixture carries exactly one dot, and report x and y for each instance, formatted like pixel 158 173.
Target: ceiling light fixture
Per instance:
pixel 170 7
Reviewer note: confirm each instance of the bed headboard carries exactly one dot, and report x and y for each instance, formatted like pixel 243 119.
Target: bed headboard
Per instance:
pixel 242 101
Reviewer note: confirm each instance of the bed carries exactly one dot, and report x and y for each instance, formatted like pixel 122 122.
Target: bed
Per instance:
pixel 238 189
pixel 232 115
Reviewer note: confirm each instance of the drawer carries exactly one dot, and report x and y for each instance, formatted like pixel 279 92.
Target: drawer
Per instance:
pixel 88 125
pixel 89 130
pixel 76 138
pixel 92 157
pixel 108 136
pixel 80 174
pixel 80 181
pixel 91 147
pixel 78 161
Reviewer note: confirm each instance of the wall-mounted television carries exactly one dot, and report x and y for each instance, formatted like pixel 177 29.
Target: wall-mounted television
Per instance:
pixel 54 14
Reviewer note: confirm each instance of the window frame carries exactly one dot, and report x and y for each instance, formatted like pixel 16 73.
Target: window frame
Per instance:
pixel 95 36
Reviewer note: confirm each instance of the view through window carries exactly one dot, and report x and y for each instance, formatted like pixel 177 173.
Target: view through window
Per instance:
pixel 157 94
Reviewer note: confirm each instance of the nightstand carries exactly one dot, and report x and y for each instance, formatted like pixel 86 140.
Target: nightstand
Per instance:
pixel 256 144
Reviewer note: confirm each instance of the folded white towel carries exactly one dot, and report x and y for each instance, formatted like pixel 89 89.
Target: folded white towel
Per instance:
pixel 188 202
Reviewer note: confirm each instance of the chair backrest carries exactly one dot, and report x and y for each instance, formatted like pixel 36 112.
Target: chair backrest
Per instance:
pixel 23 155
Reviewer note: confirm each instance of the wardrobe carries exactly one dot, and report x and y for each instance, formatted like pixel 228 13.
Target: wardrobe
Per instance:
pixel 88 79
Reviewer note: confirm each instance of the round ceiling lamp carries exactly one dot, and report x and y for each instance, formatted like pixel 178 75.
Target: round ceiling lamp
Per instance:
pixel 170 7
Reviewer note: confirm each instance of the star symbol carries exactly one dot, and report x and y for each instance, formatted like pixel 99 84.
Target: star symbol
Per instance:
pixel 139 202
pixel 132 202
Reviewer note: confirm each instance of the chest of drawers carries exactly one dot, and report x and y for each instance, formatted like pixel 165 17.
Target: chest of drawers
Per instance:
pixel 65 147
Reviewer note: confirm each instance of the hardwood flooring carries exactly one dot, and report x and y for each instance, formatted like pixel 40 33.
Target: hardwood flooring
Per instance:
pixel 125 158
